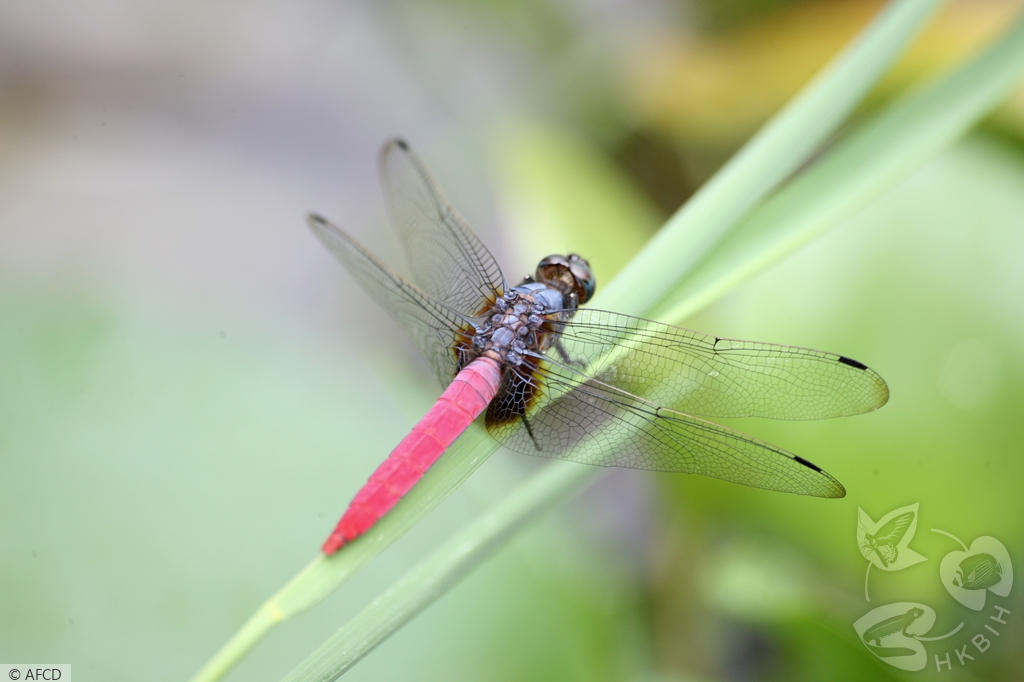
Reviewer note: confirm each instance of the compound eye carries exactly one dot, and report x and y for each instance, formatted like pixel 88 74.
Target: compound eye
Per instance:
pixel 586 283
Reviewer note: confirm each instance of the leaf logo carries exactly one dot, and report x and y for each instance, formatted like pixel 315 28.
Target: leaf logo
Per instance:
pixel 885 543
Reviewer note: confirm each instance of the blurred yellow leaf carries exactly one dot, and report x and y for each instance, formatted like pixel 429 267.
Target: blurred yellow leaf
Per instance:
pixel 717 88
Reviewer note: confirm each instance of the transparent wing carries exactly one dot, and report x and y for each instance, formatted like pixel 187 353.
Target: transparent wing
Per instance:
pixel 433 326
pixel 704 375
pixel 448 261
pixel 592 422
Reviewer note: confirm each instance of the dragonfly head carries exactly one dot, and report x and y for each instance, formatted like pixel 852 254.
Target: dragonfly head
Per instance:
pixel 571 274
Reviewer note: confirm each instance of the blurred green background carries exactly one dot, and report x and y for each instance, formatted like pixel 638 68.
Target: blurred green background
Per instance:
pixel 192 389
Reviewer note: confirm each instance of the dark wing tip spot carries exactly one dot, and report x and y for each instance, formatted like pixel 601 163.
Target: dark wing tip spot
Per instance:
pixel 401 143
pixel 837 489
pixel 316 219
pixel 810 465
pixel 852 363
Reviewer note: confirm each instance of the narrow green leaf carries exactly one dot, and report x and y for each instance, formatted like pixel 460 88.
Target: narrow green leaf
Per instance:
pixel 442 569
pixel 871 159
pixel 323 575
pixel 784 144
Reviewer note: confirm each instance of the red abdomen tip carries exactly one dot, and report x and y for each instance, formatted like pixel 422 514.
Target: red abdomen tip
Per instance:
pixel 335 542
pixel 463 401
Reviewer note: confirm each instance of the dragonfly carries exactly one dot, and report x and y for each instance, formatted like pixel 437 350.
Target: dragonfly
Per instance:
pixel 554 379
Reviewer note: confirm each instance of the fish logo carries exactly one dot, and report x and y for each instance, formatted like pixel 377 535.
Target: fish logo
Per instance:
pixel 978 572
pixel 971 573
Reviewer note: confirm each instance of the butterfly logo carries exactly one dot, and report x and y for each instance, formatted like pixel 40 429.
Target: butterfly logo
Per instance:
pixel 886 543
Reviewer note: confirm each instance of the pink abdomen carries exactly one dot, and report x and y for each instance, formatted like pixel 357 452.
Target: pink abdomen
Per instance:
pixel 466 397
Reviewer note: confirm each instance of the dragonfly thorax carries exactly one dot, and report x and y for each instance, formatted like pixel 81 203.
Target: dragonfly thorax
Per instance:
pixel 515 325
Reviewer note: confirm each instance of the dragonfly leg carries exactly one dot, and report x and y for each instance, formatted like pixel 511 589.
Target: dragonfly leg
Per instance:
pixel 565 355
pixel 529 430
